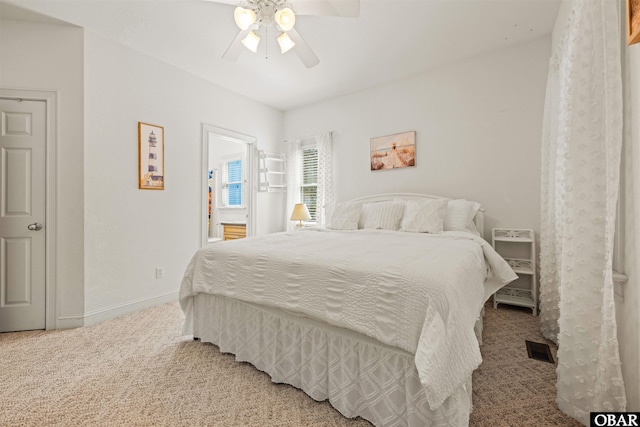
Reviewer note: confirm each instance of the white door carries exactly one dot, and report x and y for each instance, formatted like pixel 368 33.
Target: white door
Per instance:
pixel 22 214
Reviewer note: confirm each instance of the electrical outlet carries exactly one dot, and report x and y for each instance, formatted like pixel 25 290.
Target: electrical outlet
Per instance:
pixel 159 272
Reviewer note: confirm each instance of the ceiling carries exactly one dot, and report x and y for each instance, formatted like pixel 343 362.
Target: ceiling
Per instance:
pixel 390 40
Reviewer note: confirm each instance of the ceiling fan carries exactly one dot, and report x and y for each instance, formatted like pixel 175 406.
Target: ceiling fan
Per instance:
pixel 251 15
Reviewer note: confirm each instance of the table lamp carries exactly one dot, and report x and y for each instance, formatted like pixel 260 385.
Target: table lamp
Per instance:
pixel 300 213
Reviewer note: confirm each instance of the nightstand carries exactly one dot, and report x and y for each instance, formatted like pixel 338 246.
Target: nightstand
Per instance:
pixel 518 247
pixel 232 231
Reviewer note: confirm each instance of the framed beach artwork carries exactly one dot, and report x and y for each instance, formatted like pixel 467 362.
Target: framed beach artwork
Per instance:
pixel 393 151
pixel 633 21
pixel 150 157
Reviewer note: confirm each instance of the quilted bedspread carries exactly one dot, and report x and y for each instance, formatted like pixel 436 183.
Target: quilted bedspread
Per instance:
pixel 419 292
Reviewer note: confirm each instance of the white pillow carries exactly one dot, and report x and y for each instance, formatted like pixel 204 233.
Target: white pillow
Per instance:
pixel 344 216
pixel 364 214
pixel 384 215
pixel 424 216
pixel 460 214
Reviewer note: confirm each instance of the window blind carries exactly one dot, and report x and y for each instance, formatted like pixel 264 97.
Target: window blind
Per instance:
pixel 309 187
pixel 234 183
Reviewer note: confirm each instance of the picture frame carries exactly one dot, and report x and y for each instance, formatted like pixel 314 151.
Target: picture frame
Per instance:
pixel 393 151
pixel 150 157
pixel 633 22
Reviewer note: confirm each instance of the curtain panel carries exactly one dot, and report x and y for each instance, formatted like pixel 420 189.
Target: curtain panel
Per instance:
pixel 325 175
pixel 581 149
pixel 293 180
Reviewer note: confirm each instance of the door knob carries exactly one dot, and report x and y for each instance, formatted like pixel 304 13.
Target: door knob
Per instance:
pixel 34 227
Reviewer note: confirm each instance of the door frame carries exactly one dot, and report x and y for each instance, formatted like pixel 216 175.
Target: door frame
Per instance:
pixel 50 98
pixel 251 175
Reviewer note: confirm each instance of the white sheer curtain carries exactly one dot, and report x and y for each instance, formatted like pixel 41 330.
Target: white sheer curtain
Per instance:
pixel 581 150
pixel 293 180
pixel 325 175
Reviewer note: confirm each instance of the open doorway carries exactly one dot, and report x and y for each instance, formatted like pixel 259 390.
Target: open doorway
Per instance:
pixel 229 189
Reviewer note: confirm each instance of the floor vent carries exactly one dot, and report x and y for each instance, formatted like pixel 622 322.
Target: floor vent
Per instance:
pixel 539 351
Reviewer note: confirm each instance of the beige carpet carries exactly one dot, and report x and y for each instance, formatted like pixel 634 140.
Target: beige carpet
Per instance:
pixel 137 370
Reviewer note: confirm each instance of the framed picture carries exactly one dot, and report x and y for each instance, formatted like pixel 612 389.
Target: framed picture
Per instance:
pixel 393 151
pixel 633 21
pixel 150 157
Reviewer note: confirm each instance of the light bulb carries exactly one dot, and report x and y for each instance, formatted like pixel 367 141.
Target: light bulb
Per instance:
pixel 244 17
pixel 285 43
pixel 251 42
pixel 285 18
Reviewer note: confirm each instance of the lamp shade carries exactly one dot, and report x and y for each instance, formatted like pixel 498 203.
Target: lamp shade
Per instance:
pixel 285 43
pixel 251 41
pixel 285 18
pixel 244 17
pixel 300 213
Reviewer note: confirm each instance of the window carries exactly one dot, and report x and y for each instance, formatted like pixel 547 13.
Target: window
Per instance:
pixel 309 182
pixel 232 186
pixel 309 176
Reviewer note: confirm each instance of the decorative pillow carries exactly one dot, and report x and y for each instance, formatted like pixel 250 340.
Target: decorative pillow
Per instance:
pixel 424 216
pixel 364 214
pixel 384 215
pixel 344 216
pixel 460 214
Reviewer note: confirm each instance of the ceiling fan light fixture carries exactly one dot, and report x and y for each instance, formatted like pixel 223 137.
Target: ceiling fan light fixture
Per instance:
pixel 285 42
pixel 251 42
pixel 285 18
pixel 244 17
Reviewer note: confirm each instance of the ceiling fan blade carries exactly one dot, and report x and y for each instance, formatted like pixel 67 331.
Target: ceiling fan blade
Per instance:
pixel 345 8
pixel 233 51
pixel 303 50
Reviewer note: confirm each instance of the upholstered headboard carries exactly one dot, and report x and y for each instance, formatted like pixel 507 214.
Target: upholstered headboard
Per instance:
pixel 478 220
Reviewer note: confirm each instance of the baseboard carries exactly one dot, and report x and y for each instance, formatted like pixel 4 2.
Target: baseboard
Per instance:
pixel 100 315
pixel 68 322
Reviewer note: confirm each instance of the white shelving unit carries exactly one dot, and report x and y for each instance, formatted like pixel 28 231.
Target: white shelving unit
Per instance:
pixel 272 172
pixel 518 247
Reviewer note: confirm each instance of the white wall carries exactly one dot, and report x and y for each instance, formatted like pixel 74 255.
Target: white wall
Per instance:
pixel 40 56
pixel 111 235
pixel 129 232
pixel 478 124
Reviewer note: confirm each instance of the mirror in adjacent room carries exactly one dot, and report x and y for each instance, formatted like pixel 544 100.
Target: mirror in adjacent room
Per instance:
pixel 229 189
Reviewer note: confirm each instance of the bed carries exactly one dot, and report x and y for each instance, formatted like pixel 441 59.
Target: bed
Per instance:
pixel 379 313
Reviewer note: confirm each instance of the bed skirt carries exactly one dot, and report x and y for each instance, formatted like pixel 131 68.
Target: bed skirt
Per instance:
pixel 358 375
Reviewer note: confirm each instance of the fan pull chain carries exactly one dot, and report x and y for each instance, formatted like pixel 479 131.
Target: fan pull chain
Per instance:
pixel 266 43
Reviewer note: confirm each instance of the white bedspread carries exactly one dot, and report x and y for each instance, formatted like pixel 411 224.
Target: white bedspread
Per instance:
pixel 419 292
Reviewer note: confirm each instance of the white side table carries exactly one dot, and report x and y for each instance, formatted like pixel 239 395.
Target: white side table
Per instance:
pixel 518 247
